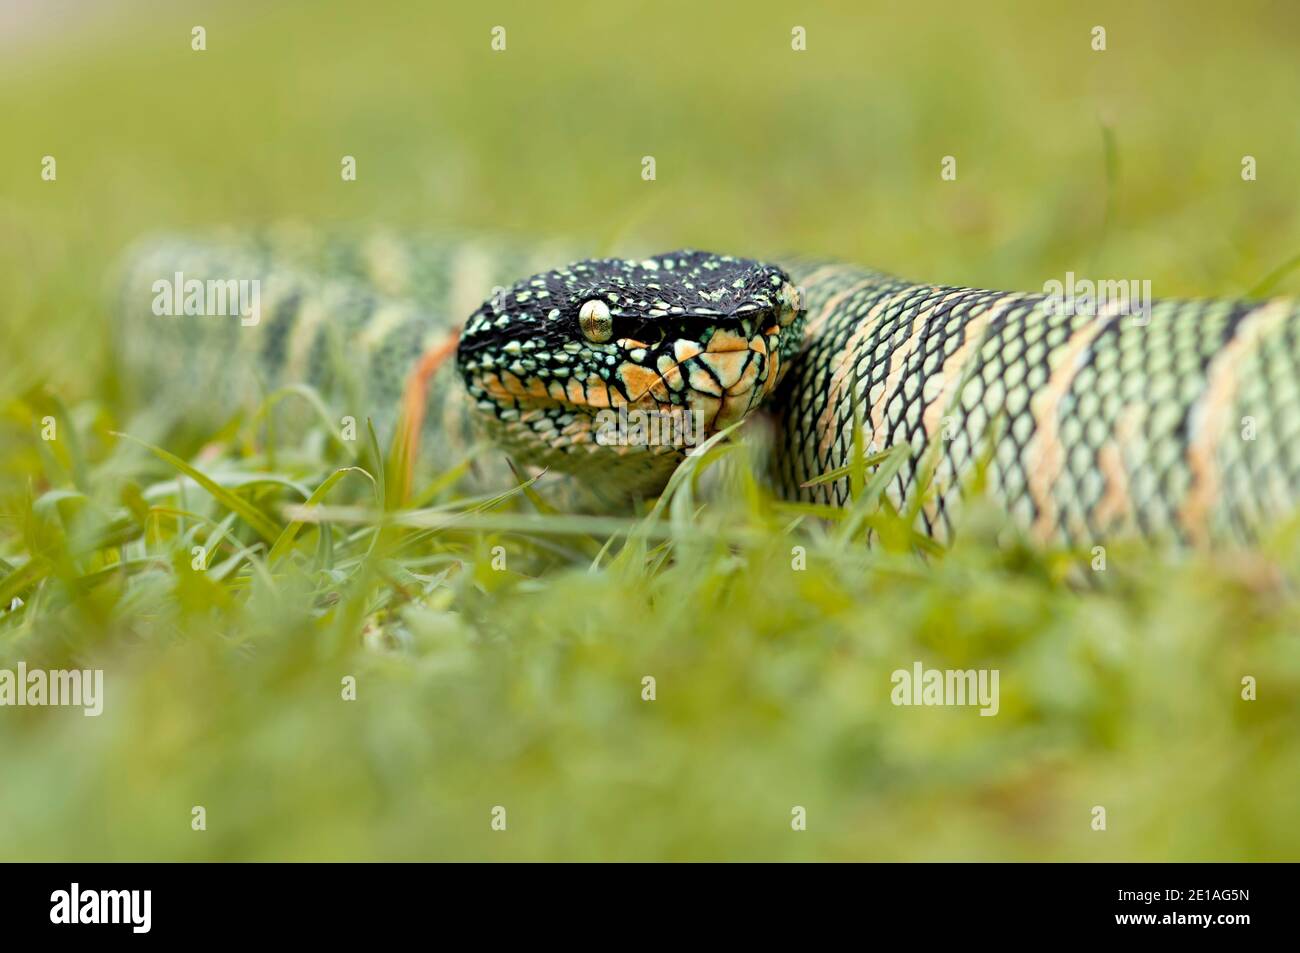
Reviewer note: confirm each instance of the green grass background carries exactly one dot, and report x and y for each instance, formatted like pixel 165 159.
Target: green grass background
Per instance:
pixel 522 688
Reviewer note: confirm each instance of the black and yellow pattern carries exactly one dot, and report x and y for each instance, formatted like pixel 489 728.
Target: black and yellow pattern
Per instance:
pixel 684 336
pixel 1092 425
pixel 1179 424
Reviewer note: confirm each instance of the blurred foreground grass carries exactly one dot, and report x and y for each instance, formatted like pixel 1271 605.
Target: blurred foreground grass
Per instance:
pixel 522 687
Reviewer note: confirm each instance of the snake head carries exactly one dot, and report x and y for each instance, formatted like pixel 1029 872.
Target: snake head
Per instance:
pixel 613 369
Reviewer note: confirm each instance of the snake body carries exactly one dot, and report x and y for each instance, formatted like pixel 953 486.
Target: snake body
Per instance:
pixel 1177 424
pixel 1084 424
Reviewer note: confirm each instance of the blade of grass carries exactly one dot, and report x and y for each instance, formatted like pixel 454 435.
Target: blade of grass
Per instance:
pixel 288 534
pixel 258 521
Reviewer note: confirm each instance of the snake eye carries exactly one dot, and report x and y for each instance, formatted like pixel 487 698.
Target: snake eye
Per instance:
pixel 595 321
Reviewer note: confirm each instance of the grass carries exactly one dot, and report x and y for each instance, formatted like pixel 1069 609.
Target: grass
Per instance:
pixel 499 650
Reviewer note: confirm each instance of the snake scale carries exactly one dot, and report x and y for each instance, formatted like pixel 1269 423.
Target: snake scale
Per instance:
pixel 1181 424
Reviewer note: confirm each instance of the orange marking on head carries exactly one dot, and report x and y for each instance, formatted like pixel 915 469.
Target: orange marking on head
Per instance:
pixel 745 383
pixel 576 393
pixel 513 385
pixel 672 375
pixel 685 350
pixel 640 381
pixel 733 408
pixel 724 340
pixel 708 406
pixel 496 389
pixel 597 392
pixel 702 381
pixel 727 365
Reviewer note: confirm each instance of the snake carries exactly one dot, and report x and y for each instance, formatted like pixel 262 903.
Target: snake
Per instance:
pixel 1081 422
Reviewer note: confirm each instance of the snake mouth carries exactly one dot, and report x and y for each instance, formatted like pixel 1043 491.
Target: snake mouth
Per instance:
pixel 723 379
